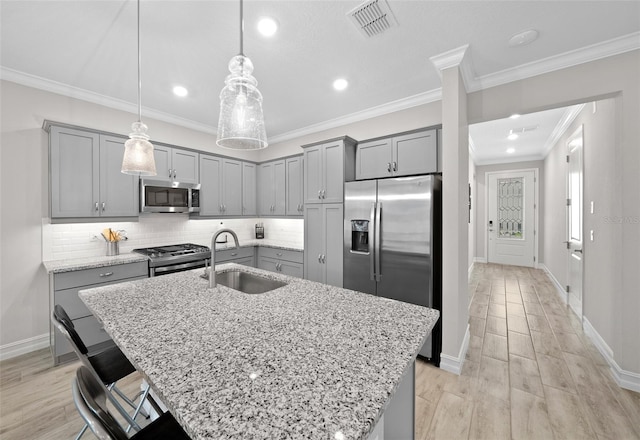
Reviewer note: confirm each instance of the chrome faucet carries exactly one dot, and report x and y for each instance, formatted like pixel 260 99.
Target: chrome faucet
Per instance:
pixel 212 270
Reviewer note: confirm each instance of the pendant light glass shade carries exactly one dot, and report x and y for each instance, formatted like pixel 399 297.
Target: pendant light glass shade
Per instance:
pixel 241 123
pixel 138 152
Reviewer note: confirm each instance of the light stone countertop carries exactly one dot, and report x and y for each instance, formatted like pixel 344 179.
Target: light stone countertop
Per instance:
pixel 306 360
pixel 72 264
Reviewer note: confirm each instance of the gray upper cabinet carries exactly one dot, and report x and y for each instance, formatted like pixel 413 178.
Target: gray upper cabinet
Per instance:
pixel 271 188
pixel 403 155
pixel 176 164
pixel 220 186
pixel 326 167
pixel 295 183
pixel 85 176
pixel 249 188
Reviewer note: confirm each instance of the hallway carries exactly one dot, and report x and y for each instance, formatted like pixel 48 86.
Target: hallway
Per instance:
pixel 530 371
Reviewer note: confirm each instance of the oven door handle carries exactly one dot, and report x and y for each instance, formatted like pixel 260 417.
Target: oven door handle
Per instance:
pixel 158 270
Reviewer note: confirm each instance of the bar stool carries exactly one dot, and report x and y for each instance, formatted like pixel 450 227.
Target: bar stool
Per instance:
pixel 107 366
pixel 91 401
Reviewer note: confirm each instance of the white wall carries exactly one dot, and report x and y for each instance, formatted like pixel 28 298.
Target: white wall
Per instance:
pixel 615 76
pixel 481 182
pixel 475 198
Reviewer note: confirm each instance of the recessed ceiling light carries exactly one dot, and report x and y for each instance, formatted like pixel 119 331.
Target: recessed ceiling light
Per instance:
pixel 514 116
pixel 340 84
pixel 511 150
pixel 523 38
pixel 267 26
pixel 512 136
pixel 180 91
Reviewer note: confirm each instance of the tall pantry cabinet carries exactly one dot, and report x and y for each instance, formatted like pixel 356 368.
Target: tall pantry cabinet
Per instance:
pixel 327 165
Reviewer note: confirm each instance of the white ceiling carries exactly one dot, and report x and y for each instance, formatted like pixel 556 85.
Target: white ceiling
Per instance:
pixel 87 49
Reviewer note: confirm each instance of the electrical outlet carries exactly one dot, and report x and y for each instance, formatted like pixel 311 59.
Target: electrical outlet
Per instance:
pixel 591 234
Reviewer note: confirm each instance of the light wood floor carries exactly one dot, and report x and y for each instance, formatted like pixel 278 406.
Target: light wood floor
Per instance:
pixel 530 373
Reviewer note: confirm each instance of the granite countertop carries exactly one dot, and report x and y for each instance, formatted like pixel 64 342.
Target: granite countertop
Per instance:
pixel 71 264
pixel 307 360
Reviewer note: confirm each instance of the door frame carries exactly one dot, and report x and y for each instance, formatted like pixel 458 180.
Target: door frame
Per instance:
pixel 578 308
pixel 536 210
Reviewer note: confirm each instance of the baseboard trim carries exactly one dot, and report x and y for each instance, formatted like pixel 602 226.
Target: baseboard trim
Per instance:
pixel 470 270
pixel 480 260
pixel 624 379
pixel 453 364
pixel 560 290
pixel 24 346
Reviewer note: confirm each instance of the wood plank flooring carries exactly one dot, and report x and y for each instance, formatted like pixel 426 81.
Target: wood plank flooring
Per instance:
pixel 530 373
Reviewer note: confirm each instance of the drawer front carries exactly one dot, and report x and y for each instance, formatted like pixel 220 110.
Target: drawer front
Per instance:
pixel 281 254
pixel 71 302
pixel 90 331
pixel 233 254
pixel 292 269
pixel 246 261
pixel 268 264
pixel 99 275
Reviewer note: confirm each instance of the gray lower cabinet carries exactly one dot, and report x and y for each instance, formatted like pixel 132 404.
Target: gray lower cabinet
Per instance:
pixel 283 261
pixel 400 155
pixel 64 291
pixel 176 164
pixel 271 188
pixel 243 255
pixel 220 186
pixel 323 241
pixel 295 184
pixel 85 177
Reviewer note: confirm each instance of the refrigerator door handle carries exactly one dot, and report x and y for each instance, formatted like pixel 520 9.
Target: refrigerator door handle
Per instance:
pixel 372 241
pixel 377 232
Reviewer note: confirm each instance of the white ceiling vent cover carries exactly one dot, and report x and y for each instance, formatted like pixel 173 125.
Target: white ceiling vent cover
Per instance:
pixel 372 17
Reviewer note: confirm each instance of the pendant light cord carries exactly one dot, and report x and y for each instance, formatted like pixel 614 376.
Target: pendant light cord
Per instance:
pixel 139 68
pixel 241 30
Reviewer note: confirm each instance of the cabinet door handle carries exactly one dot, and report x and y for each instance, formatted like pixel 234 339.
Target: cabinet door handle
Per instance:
pixel 388 167
pixel 324 259
pixel 104 206
pixel 279 266
pixel 106 274
pixel 96 206
pixel 395 166
pixel 319 193
pixel 319 258
pixel 323 193
pixel 174 174
pixel 279 254
pixel 170 170
pixel 233 254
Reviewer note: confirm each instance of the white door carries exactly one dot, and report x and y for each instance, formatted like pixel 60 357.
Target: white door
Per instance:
pixel 574 221
pixel 511 217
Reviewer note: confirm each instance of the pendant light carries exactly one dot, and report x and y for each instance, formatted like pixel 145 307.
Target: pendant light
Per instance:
pixel 138 151
pixel 241 123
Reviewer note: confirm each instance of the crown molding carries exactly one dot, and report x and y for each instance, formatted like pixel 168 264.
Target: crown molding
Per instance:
pixel 391 107
pixel 452 58
pixel 59 88
pixel 570 114
pixel 572 58
pixel 510 159
pixel 455 58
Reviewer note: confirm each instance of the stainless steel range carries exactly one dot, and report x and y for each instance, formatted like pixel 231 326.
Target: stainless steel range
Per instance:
pixel 175 258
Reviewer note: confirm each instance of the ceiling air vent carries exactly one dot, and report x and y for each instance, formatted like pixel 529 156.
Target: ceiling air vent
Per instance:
pixel 372 17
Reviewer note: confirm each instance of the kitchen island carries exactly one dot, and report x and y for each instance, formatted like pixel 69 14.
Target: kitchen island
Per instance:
pixel 306 360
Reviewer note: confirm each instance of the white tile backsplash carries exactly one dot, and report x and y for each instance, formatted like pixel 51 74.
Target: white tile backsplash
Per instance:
pixel 78 240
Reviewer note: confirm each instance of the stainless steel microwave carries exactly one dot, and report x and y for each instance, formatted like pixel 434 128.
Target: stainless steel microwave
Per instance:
pixel 165 196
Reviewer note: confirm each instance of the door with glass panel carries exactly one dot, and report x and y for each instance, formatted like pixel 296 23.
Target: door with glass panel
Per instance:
pixel 574 220
pixel 511 218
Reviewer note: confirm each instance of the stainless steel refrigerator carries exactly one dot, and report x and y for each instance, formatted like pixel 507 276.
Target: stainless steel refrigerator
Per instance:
pixel 392 243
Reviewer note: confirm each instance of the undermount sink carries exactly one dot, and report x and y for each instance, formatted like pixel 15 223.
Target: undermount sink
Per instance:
pixel 246 282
